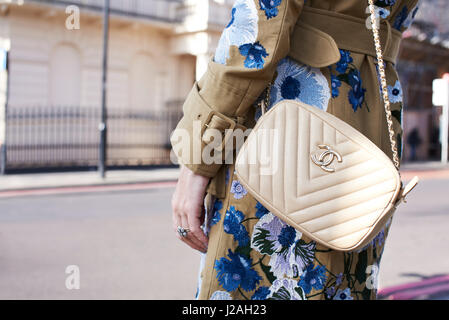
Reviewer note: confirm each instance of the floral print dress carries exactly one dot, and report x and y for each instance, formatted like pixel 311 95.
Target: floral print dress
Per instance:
pixel 252 254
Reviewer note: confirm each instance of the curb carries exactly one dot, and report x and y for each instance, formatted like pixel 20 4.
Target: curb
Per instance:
pixel 23 182
pixel 86 185
pixel 86 189
pixel 433 287
pixel 34 182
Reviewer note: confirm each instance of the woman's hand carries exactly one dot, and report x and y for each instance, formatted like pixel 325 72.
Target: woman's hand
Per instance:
pixel 188 208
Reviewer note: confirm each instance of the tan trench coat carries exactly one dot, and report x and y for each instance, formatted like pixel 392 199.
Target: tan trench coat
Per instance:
pixel 319 52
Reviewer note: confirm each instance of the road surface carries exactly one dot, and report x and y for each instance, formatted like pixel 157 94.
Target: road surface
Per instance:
pixel 123 244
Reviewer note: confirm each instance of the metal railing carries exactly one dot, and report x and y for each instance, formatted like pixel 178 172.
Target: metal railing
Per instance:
pixel 161 10
pixel 51 137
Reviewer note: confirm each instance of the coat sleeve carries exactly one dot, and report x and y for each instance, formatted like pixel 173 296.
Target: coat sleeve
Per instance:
pixel 255 40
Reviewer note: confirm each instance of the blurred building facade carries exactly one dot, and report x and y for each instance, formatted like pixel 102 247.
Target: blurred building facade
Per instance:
pixel 157 49
pixel 424 56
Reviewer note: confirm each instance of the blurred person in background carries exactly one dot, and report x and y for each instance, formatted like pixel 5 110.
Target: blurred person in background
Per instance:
pixel 414 141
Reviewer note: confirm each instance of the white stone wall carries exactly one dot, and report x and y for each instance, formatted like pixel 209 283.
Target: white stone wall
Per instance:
pixel 152 66
pixel 150 63
pixel 142 70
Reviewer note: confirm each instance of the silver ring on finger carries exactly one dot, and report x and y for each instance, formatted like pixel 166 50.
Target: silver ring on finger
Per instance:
pixel 183 231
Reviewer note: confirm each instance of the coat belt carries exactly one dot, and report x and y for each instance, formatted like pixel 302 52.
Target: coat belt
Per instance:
pixel 319 34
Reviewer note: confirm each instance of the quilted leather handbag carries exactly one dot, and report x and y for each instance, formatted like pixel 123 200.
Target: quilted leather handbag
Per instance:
pixel 319 174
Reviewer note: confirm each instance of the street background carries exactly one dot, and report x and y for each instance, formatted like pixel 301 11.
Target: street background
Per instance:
pixel 119 234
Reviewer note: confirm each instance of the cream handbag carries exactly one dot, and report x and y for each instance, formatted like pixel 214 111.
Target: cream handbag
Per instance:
pixel 320 175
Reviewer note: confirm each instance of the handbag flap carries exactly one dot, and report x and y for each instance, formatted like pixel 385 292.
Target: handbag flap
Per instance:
pixel 318 174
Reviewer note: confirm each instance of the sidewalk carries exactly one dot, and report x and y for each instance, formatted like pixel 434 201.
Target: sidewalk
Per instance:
pixel 424 166
pixel 425 170
pixel 81 179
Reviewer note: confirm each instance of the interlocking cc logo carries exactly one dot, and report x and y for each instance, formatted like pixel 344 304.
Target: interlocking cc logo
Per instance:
pixel 326 158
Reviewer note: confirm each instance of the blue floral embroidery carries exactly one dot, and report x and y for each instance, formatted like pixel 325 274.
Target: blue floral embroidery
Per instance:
pixel 255 54
pixel 227 175
pixel 236 272
pixel 258 113
pixel 400 18
pixel 261 293
pixel 395 92
pixel 287 236
pixel 238 190
pixel 357 92
pixel 313 278
pixel 380 8
pixel 270 7
pixel 218 205
pixel 300 82
pixel 220 295
pixel 405 17
pixel 339 279
pixel 379 240
pixel 261 210
pixel 242 28
pixel 344 62
pixel 290 88
pixel 382 13
pixel 335 84
pixel 343 295
pixel 385 3
pixel 232 17
pixel 330 292
pixel 289 255
pixel 407 23
pixel 232 225
pixel 286 289
pixel 378 77
pixel 348 73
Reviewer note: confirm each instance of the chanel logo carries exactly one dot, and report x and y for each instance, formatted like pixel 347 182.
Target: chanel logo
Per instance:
pixel 326 158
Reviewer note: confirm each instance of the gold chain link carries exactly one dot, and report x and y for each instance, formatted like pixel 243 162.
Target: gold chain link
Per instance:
pixel 264 103
pixel 380 63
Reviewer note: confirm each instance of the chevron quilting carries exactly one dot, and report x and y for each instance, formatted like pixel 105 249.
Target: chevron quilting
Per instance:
pixel 340 207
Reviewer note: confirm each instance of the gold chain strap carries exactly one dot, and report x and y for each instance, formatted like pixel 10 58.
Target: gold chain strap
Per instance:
pixel 264 103
pixel 380 63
